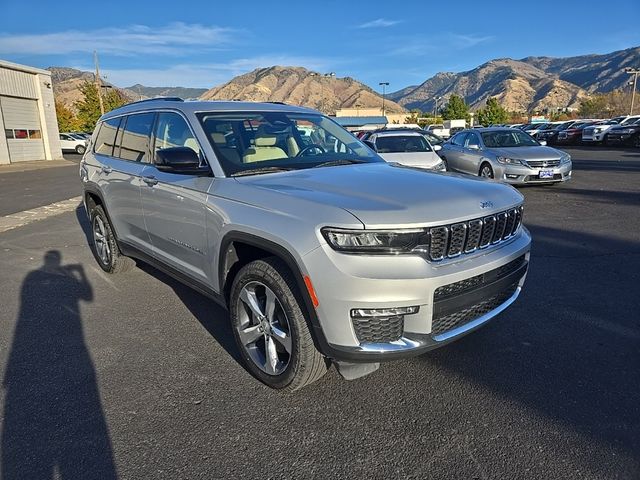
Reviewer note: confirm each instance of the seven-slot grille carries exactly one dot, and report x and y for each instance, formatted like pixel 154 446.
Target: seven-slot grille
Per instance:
pixel 543 163
pixel 466 237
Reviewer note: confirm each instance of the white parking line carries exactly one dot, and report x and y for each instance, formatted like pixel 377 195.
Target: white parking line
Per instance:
pixel 20 219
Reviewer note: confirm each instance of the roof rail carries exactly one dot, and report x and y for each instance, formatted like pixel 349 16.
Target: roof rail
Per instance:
pixel 164 99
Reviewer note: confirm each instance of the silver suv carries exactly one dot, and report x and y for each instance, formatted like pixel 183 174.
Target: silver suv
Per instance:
pixel 321 251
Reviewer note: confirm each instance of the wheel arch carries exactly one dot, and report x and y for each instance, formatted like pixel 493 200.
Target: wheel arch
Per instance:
pixel 240 248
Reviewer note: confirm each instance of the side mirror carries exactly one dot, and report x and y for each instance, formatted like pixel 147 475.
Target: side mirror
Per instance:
pixel 371 145
pixel 542 142
pixel 181 160
pixel 437 148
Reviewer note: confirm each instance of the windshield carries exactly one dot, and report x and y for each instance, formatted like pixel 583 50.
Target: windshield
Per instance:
pixel 433 139
pixel 254 141
pixel 402 143
pixel 507 138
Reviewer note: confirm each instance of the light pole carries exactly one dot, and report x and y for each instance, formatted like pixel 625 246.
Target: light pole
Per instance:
pixel 384 91
pixel 435 110
pixel 634 72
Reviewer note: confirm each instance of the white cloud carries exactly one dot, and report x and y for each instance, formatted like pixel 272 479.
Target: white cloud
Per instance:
pixel 379 23
pixel 467 41
pixel 171 39
pixel 205 75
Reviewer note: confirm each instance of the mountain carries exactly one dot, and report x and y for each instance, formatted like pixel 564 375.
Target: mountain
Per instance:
pixel 299 86
pixel 67 82
pixel 182 92
pixel 532 83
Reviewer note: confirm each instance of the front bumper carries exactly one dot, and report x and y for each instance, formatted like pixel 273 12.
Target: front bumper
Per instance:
pixel 522 175
pixel 621 138
pixel 348 282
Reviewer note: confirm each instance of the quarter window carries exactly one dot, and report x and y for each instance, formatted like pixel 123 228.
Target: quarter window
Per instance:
pixel 106 138
pixel 134 141
pixel 173 131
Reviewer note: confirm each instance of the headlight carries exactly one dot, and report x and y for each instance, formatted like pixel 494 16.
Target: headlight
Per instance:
pixel 566 158
pixel 439 166
pixel 509 161
pixel 628 130
pixel 377 241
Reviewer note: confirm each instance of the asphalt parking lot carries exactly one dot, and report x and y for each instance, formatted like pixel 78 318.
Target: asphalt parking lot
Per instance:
pixel 136 376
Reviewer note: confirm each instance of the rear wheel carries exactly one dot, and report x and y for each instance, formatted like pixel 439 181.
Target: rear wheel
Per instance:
pixel 270 327
pixel 486 171
pixel 105 248
pixel 80 149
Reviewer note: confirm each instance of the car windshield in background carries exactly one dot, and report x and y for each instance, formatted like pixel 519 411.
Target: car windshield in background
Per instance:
pixel 402 144
pixel 255 142
pixel 563 126
pixel 433 139
pixel 507 138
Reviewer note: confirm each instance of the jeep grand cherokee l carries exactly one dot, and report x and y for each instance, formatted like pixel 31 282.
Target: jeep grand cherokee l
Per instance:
pixel 321 251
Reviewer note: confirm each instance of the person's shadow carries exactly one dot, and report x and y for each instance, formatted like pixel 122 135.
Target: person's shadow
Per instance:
pixel 53 423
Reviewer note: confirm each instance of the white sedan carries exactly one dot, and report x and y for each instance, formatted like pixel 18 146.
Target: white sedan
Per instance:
pixel 407 148
pixel 70 143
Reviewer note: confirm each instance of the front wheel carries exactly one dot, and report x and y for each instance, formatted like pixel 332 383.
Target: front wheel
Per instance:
pixel 270 328
pixel 486 171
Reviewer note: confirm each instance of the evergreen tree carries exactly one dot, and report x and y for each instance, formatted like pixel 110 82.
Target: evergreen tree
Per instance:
pixel 89 106
pixel 456 109
pixel 492 113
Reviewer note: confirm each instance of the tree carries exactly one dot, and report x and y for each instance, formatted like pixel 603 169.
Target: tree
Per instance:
pixel 89 106
pixel 67 121
pixel 492 113
pixel 456 109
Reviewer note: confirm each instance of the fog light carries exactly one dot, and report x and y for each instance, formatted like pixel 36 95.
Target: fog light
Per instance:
pixel 383 312
pixel 511 175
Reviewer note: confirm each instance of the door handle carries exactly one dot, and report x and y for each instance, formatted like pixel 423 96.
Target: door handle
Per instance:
pixel 106 169
pixel 151 180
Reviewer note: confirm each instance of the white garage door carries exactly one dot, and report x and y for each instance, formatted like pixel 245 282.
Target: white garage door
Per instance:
pixel 22 129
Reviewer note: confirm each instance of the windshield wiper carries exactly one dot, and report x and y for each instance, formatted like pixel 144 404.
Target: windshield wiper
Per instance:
pixel 333 163
pixel 258 171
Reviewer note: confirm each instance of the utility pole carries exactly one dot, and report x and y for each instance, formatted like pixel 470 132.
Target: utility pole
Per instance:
pixel 435 111
pixel 384 85
pixel 98 85
pixel 634 72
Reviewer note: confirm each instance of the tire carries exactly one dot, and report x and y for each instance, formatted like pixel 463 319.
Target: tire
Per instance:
pixel 80 149
pixel 105 248
pixel 446 164
pixel 486 171
pixel 293 361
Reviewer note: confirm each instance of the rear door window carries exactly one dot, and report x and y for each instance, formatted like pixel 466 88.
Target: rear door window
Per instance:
pixel 134 141
pixel 106 138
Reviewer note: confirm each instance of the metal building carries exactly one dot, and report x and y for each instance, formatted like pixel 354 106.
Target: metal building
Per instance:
pixel 27 115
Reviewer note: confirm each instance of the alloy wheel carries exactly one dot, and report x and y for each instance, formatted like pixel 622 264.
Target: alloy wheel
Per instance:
pixel 263 328
pixel 486 172
pixel 101 240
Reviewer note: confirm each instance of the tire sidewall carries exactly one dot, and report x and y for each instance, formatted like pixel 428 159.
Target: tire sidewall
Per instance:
pixel 80 150
pixel 487 164
pixel 95 213
pixel 292 309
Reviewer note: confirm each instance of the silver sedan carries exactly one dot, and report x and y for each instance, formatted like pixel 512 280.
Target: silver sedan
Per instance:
pixel 505 154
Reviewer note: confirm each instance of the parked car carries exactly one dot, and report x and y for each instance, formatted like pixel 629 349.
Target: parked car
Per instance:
pixel 438 130
pixel 550 134
pixel 505 154
pixel 597 133
pixel 71 143
pixel 319 255
pixel 408 148
pixel 628 134
pixel 434 140
pixel 537 127
pixel 573 134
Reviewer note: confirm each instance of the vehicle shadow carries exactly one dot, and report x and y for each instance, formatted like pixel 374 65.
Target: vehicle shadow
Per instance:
pixel 53 422
pixel 213 317
pixel 569 348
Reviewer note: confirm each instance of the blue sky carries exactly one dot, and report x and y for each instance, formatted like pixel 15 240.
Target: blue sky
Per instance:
pixel 202 44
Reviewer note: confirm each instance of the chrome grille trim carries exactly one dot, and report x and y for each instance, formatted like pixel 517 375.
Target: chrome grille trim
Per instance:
pixel 543 163
pixel 450 241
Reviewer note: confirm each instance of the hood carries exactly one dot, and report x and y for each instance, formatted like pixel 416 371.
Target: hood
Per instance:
pixel 412 159
pixel 537 152
pixel 382 195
